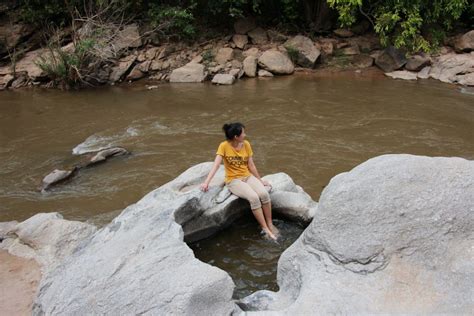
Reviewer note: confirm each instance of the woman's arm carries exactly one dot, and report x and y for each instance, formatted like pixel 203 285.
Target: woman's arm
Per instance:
pixel 253 170
pixel 217 163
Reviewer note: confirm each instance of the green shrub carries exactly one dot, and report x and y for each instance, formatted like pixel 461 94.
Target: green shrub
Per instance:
pixel 67 68
pixel 292 52
pixel 172 20
pixel 208 56
pixel 414 25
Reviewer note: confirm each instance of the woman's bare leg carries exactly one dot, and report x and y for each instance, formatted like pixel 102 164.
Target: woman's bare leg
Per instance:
pixel 267 212
pixel 258 213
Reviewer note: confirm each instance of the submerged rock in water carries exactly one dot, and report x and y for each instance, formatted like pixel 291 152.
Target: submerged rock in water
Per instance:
pixel 139 262
pixel 58 176
pixel 107 153
pixel 393 235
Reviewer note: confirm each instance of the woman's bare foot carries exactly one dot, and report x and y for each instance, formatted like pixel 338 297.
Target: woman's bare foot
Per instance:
pixel 270 234
pixel 274 230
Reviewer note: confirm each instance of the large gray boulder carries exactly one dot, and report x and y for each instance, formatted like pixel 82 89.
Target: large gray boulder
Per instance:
pixel 139 262
pixel 394 235
pixel 191 72
pixel 223 79
pixel 45 237
pixel 128 37
pixel 307 51
pixel 390 59
pixel 417 62
pixel 276 62
pixel 250 66
pixel 122 67
pixel 465 43
pixel 452 67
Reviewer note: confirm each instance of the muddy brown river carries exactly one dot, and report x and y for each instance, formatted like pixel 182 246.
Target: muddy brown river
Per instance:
pixel 311 127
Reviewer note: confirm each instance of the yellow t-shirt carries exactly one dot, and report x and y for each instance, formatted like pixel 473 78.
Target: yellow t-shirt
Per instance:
pixel 235 161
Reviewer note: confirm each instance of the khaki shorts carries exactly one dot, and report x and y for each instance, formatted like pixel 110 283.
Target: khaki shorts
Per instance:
pixel 251 189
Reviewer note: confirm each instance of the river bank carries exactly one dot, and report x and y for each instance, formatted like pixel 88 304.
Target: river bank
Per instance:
pixel 250 51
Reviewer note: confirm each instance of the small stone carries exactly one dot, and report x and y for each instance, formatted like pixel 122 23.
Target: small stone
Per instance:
pixel 466 80
pixel 166 51
pixel 264 73
pixel 123 66
pixel 235 64
pixel 223 79
pixel 156 65
pixel 7 80
pixel 215 69
pixel 362 61
pixel 240 40
pixel 340 45
pixel 254 51
pixel 276 36
pixel 417 62
pixel 327 48
pixel 352 50
pixel 19 82
pixel 343 33
pixel 151 53
pixel 465 43
pixel 250 66
pixel 402 74
pixel 198 59
pixel 55 177
pixel 242 26
pixel 224 54
pixel 235 72
pixel 424 73
pixel 258 36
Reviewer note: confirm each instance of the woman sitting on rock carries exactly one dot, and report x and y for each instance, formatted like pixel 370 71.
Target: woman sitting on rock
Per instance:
pixel 241 175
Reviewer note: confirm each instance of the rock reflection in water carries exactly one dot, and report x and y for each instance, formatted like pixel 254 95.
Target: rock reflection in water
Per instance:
pixel 249 258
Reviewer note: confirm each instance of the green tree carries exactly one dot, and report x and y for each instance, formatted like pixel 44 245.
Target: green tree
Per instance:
pixel 417 25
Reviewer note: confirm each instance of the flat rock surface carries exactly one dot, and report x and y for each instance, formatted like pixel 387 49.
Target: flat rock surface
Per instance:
pixel 402 74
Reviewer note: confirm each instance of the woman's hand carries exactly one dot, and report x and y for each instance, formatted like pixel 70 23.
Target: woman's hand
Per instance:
pixel 204 187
